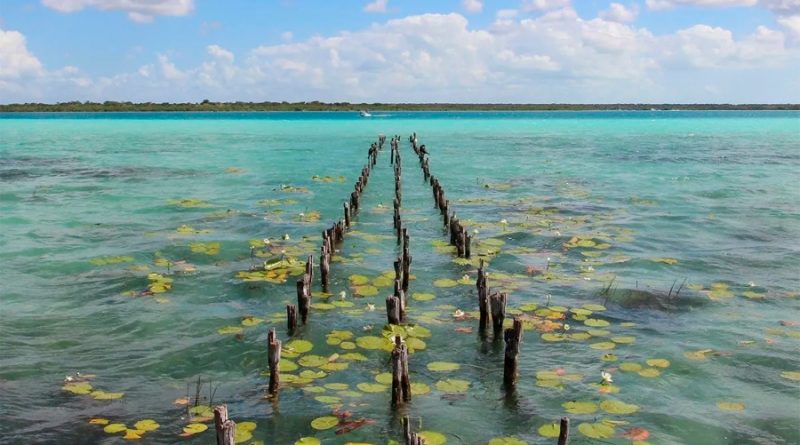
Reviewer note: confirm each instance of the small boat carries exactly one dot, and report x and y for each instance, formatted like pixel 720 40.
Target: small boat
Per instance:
pixel 364 113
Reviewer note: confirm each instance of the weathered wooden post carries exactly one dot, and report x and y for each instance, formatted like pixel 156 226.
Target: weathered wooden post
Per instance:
pixel 563 433
pixel 512 337
pixel 347 214
pixel 220 417
pixel 410 437
pixel 310 268
pixel 274 356
pixel 393 309
pixel 229 432
pixel 401 386
pixel 497 302
pixel 291 319
pixel 483 297
pixel 325 268
pixel 303 297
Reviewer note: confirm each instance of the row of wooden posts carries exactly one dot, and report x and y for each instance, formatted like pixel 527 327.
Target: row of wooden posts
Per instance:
pixel 490 305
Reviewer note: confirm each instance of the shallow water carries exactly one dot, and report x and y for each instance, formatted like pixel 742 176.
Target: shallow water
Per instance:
pixel 716 191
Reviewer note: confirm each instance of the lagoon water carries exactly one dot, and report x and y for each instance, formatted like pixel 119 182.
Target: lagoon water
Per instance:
pixel 684 226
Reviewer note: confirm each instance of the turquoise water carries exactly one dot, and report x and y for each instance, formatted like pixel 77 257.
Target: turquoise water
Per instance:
pixel 704 202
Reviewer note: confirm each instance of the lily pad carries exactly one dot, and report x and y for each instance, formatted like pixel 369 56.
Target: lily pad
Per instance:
pixel 549 430
pixel 372 387
pixel 507 441
pixel 596 430
pixel 445 282
pixel 575 407
pixel 358 280
pixel 422 296
pixel 630 367
pixel 300 346
pixel 307 441
pixel 452 386
pixel 312 361
pixel 113 428
pixel 730 406
pixel 603 345
pixel 596 323
pixel 324 423
pixel 443 366
pixel 228 330
pixel 791 375
pixel 372 342
pixel 366 291
pixel 81 388
pixel 432 437
pixel 195 428
pixel 618 407
pixel 658 362
pixel 420 389
pixel 650 372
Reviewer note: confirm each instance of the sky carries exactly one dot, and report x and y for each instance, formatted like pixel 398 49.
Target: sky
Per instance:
pixel 468 51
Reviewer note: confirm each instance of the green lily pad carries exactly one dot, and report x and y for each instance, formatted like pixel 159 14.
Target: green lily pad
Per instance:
pixel 384 378
pixel 372 387
pixel 549 430
pixel 228 330
pixel 312 361
pixel 623 339
pixel 113 428
pixel 422 296
pixel 452 386
pixel 630 367
pixel 596 430
pixel 443 366
pixel 324 423
pixel 432 437
pixel 596 323
pixel 300 346
pixel 507 441
pixel 612 406
pixel 372 342
pixel 358 280
pixel 576 407
pixel 603 345
pixel 146 425
pixel 445 282
pixel 366 291
pixel 195 428
pixel 419 389
pixel 594 307
pixel 328 400
pixel 307 441
pixel 650 372
pixel 81 388
pixel 658 362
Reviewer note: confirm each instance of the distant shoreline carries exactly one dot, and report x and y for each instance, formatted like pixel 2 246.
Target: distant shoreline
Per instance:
pixel 207 106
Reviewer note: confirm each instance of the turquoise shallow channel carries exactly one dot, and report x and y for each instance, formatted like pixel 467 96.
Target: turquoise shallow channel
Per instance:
pixel 659 247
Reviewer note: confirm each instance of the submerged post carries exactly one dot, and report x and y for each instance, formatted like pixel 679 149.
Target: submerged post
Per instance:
pixel 220 417
pixel 563 434
pixel 274 356
pixel 497 302
pixel 291 318
pixel 513 337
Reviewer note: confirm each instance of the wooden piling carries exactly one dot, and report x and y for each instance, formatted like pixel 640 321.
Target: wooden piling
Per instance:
pixel 291 319
pixel 497 302
pixel 563 434
pixel 303 298
pixel 401 386
pixel 393 309
pixel 512 337
pixel 274 356
pixel 220 417
pixel 229 432
pixel 483 297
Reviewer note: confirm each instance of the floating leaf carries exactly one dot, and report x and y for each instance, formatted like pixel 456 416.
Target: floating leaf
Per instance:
pixel 81 388
pixel 618 407
pixel 365 291
pixel 443 366
pixel 419 389
pixel 312 361
pixel 358 280
pixel 131 434
pixel 452 386
pixel 650 372
pixel 507 441
pixel 422 296
pixel 384 378
pixel 670 261
pixel 575 407
pixel 228 330
pixel 286 366
pixel 307 441
pixel 594 307
pixel 114 428
pixel 432 437
pixel 730 406
pixel 658 362
pixel 241 435
pixel 698 355
pixel 194 428
pixel 630 367
pixel 445 282
pixel 550 430
pixel 623 339
pixel 595 323
pixel 372 387
pixel 791 375
pixel 98 421
pixel 300 346
pixel 596 430
pixel 372 342
pixel 610 357
pixel 324 423
pixel 603 345
pixel 102 395
pixel 147 425
pixel 251 321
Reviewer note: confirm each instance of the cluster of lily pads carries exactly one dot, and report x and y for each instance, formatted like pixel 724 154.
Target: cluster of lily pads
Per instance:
pixel 79 385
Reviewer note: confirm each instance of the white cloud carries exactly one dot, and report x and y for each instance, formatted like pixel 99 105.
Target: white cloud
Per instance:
pixel 472 5
pixel 506 13
pixel 544 5
pixel 553 57
pixel 220 53
pixel 667 4
pixel 377 6
pixel 141 11
pixel 15 59
pixel 618 12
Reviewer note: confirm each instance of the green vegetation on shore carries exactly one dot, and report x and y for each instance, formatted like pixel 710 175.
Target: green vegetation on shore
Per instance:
pixel 206 105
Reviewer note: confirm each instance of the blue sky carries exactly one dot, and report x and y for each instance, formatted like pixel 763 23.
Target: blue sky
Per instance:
pixel 401 50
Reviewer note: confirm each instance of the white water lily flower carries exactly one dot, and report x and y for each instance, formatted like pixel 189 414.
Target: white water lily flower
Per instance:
pixel 367 327
pixel 342 295
pixel 283 252
pixel 267 242
pixel 566 327
pixel 503 221
pixel 370 307
pixel 458 313
pixel 286 236
pixel 475 231
pixel 302 214
pixel 465 277
pixel 751 284
pixel 606 377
